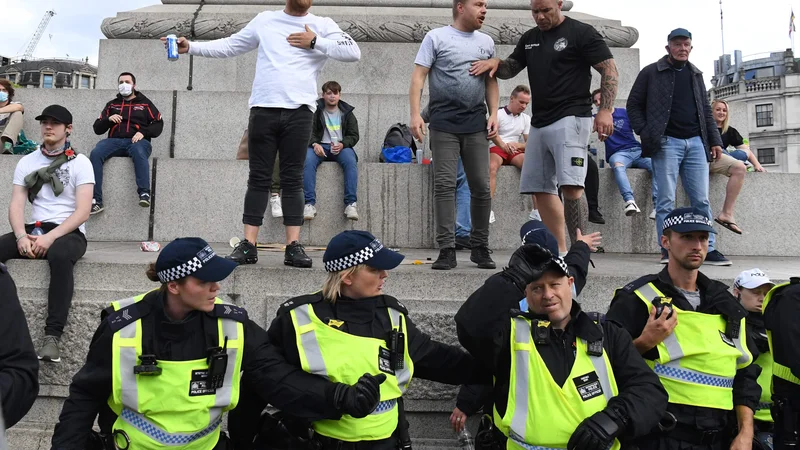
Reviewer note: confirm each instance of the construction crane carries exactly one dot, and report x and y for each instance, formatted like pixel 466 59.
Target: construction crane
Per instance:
pixel 37 35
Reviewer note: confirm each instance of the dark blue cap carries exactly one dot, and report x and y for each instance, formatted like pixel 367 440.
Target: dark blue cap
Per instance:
pixel 353 247
pixel 686 220
pixel 192 256
pixel 679 32
pixel 534 232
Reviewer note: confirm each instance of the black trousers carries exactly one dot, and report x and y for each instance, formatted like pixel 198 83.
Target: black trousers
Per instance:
pixel 592 183
pixel 61 257
pixel 284 133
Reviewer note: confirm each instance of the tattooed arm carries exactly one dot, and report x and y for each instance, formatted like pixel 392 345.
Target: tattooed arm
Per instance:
pixel 609 79
pixel 502 69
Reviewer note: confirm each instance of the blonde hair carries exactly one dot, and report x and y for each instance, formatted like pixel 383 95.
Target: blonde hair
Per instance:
pixel 727 113
pixel 332 288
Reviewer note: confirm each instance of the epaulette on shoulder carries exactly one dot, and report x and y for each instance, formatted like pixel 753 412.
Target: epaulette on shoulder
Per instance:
pixel 293 303
pixel 394 303
pixel 118 320
pixel 228 311
pixel 639 282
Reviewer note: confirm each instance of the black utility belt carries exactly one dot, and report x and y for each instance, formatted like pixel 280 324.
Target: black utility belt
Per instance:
pixel 329 443
pixel 692 435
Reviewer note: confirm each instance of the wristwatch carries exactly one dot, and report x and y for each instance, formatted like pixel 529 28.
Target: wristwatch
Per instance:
pixel 313 42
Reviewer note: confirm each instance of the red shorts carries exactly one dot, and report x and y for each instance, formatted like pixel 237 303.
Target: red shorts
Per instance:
pixel 502 153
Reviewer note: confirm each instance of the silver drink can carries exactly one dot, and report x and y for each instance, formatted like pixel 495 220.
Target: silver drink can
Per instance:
pixel 172 47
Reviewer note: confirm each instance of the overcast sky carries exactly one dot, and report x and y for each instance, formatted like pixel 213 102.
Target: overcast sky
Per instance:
pixel 750 27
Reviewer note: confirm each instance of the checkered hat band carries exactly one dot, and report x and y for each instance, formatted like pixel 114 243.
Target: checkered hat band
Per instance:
pixel 181 271
pixel 561 263
pixel 346 262
pixel 677 220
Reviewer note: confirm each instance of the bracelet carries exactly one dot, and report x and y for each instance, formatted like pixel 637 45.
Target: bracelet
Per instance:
pixel 21 236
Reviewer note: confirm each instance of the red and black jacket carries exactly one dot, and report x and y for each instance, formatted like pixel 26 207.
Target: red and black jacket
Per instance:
pixel 139 114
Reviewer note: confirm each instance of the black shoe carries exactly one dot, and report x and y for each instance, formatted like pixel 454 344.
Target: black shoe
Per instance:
pixel 295 256
pixel 244 253
pixel 96 208
pixel 716 258
pixel 144 199
pixel 446 260
pixel 480 256
pixel 462 243
pixel 596 217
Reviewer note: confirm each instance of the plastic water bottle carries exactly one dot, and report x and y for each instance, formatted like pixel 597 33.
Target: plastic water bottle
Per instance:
pixel 420 154
pixel 465 441
pixel 37 229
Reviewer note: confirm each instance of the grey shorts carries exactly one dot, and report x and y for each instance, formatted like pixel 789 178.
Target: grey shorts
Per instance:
pixel 556 156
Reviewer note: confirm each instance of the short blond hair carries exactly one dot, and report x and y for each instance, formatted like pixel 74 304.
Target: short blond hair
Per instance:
pixel 332 288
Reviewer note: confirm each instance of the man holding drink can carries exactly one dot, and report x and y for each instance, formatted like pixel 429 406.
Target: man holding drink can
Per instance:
pixel 282 104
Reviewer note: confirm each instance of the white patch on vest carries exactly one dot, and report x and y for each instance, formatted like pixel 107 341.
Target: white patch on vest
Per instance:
pixel 199 384
pixel 385 361
pixel 588 386
pixel 727 340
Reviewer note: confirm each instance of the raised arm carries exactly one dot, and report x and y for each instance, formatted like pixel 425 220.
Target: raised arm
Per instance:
pixel 236 44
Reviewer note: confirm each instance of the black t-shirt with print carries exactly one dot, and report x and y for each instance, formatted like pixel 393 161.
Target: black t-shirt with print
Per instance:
pixel 731 138
pixel 559 63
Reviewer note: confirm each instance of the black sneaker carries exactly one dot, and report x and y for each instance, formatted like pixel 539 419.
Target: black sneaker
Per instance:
pixel 244 253
pixel 144 199
pixel 664 256
pixel 480 256
pixel 295 256
pixel 462 243
pixel 596 217
pixel 446 260
pixel 96 208
pixel 716 258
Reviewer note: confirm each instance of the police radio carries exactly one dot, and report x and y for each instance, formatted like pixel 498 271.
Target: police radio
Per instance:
pixel 217 365
pixel 397 342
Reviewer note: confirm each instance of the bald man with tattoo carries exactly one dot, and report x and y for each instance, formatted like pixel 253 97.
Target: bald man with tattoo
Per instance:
pixel 559 55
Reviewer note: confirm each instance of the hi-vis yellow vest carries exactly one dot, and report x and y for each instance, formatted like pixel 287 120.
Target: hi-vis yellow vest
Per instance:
pixel 763 413
pixel 698 362
pixel 172 409
pixel 540 414
pixel 343 358
pixel 779 370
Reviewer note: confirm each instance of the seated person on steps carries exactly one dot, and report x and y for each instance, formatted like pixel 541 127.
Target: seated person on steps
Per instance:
pixel 333 136
pixel 10 116
pixel 131 120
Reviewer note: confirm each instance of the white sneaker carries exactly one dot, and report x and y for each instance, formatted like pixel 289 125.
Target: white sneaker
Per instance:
pixel 309 212
pixel 653 214
pixel 534 215
pixel 275 206
pixel 631 208
pixel 351 212
pixel 491 217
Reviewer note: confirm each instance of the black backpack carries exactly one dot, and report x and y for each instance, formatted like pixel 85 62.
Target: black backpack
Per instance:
pixel 399 135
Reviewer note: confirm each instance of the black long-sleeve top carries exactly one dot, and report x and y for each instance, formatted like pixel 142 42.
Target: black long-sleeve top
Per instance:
pixel 628 310
pixel 279 383
pixel 780 318
pixel 484 327
pixel 19 366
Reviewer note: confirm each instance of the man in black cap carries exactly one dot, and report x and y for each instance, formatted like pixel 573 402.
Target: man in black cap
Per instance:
pixel 668 108
pixel 691 331
pixel 58 183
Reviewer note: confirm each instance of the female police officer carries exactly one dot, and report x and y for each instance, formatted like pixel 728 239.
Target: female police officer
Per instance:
pixel 167 363
pixel 352 327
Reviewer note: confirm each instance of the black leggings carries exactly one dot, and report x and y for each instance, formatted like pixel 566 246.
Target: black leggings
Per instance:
pixel 61 256
pixel 592 184
pixel 277 132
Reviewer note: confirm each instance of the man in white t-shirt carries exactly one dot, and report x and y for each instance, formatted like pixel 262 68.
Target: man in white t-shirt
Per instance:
pixel 293 46
pixel 508 147
pixel 61 198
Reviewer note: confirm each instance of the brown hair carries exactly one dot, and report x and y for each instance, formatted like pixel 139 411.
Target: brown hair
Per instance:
pixel 152 275
pixel 727 113
pixel 7 84
pixel 521 88
pixel 332 288
pixel 595 92
pixel 331 86
pixel 455 7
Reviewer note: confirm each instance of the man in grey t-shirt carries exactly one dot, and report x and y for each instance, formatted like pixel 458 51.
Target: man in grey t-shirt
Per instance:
pixel 458 124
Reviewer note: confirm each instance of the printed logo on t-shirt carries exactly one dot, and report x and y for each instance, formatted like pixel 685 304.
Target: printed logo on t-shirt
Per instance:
pixel 63 174
pixel 577 161
pixel 530 46
pixel 560 44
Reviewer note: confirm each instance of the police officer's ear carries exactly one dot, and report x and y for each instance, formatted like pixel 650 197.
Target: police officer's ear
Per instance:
pixel 172 287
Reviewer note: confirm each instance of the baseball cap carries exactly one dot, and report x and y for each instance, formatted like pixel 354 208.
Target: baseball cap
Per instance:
pixel 56 112
pixel 679 32
pixel 192 256
pixel 751 279
pixel 353 247
pixel 535 232
pixel 686 220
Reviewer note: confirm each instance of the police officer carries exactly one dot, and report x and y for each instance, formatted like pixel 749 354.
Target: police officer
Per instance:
pixel 691 331
pixel 351 327
pixel 562 380
pixel 781 311
pixel 167 363
pixel 750 287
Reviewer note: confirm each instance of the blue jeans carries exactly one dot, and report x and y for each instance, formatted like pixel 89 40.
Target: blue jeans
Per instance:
pixel 463 218
pixel 630 157
pixel 687 158
pixel 741 155
pixel 346 158
pixel 110 147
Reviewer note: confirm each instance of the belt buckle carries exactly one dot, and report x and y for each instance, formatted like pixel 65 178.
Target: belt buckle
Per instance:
pixel 709 437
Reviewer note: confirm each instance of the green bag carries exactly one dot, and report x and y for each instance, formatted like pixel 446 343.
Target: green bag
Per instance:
pixel 24 145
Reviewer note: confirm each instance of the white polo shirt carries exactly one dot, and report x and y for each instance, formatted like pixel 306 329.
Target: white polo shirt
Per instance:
pixel 511 127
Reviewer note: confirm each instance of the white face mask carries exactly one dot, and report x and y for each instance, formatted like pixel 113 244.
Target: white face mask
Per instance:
pixel 125 89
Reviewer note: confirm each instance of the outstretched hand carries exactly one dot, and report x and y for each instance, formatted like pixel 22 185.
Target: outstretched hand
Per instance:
pixel 593 240
pixel 183 44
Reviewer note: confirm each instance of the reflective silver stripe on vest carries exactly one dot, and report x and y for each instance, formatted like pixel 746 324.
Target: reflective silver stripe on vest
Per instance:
pixel 744 356
pixel 155 432
pixel 601 370
pixel 308 341
pixel 128 331
pixel 516 439
pixel 671 342
pixel 127 361
pixel 674 371
pixel 403 375
pixel 521 358
pixel 224 394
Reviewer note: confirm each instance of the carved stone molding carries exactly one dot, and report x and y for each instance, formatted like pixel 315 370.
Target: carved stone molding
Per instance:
pixel 496 4
pixel 378 30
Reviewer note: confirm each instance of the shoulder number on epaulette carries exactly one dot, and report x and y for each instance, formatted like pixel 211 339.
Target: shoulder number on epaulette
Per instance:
pixel 233 312
pixel 118 320
pixel 293 303
pixel 635 284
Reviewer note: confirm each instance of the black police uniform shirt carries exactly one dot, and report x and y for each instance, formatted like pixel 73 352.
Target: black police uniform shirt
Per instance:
pixel 559 63
pixel 781 317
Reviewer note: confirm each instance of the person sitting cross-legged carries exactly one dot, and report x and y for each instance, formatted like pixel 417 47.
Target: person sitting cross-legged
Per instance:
pixel 333 136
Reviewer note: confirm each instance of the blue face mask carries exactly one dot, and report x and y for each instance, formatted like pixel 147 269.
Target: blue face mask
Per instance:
pixel 3 96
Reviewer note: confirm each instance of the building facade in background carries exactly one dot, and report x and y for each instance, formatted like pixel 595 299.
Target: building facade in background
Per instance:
pixel 763 93
pixel 51 74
